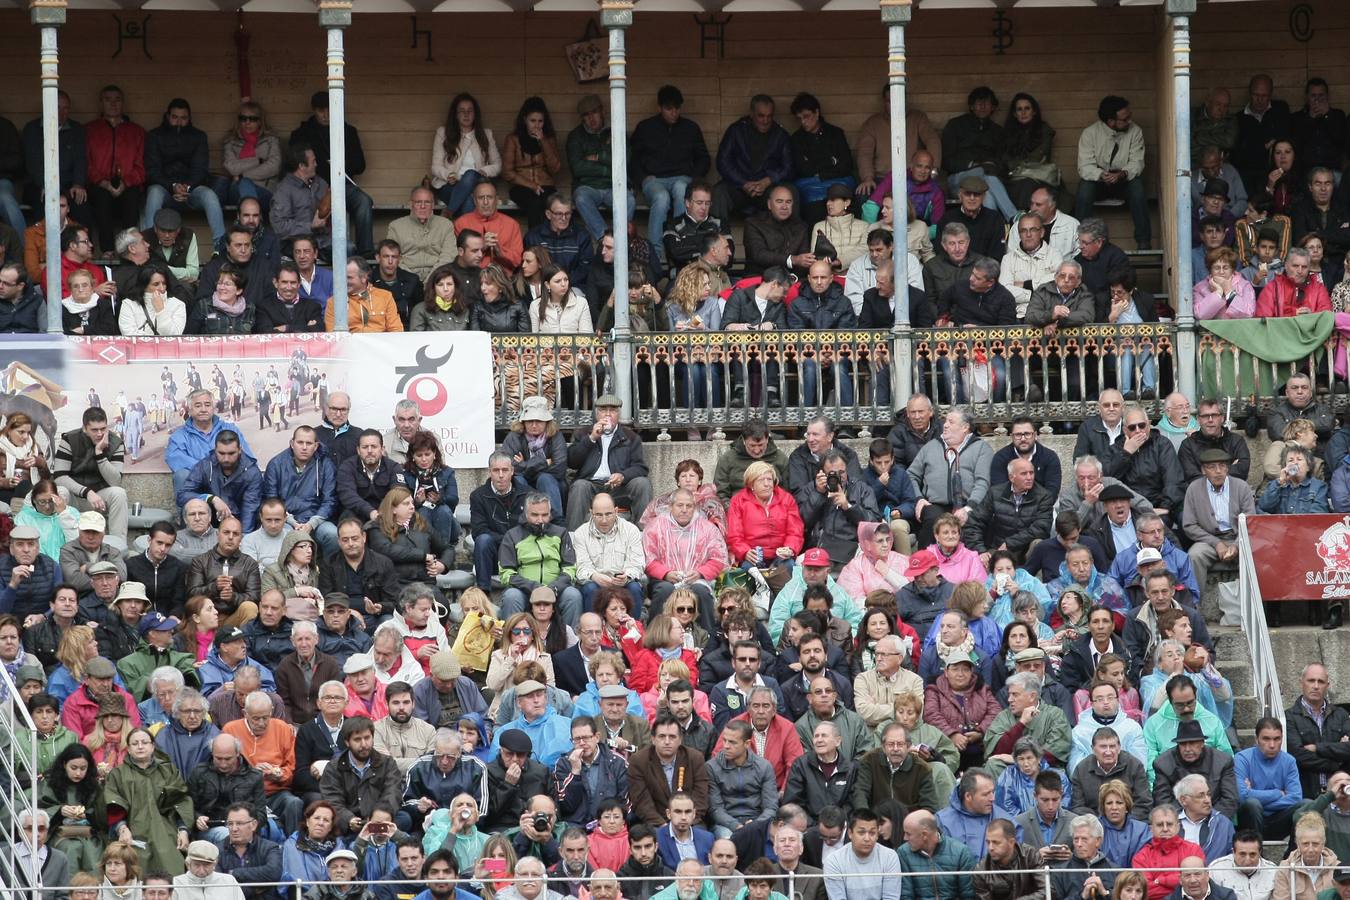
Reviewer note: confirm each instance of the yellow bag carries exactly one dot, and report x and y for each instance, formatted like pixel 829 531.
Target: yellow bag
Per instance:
pixel 474 645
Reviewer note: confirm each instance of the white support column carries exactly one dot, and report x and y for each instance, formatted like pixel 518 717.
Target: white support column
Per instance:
pixel 1180 12
pixel 334 16
pixel 615 16
pixel 895 14
pixel 49 15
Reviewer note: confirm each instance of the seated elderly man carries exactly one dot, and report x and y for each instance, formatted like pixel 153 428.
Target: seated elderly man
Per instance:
pixel 1148 462
pixel 437 778
pixel 608 554
pixel 1212 506
pixel 1153 536
pixel 268 743
pixel 89 547
pixel 228 706
pixel 1084 494
pixel 216 784
pixel 940 489
pixel 874 690
pixel 549 733
pixel 1088 874
pixel 1105 713
pixel 1109 763
pixel 683 549
pixel 301 673
pixel 1014 515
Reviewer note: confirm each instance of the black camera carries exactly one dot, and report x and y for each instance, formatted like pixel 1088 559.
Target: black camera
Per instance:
pixel 542 822
pixel 831 483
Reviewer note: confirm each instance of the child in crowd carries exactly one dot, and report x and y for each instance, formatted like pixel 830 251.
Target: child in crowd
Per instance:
pixel 1267 262
pixel 894 490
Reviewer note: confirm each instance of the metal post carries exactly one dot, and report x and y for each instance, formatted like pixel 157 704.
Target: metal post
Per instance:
pixel 49 15
pixel 334 16
pixel 1180 12
pixel 895 14
pixel 615 16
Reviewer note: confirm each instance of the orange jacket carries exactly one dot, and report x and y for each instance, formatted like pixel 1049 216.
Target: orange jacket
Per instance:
pixel 375 314
pixel 510 243
pixel 276 747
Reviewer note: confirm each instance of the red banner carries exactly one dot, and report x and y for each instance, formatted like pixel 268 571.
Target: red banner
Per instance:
pixel 1301 557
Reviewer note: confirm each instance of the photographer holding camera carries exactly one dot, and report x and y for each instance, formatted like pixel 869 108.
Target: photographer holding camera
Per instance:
pixel 832 512
pixel 539 831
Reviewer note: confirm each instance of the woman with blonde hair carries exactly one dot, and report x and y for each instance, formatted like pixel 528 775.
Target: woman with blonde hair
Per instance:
pixel 399 532
pixel 1299 432
pixel 670 671
pixel 764 526
pixel 497 847
pixel 926 741
pixel 1129 886
pixel 521 639
pixel 108 739
pixel 21 463
pixel 76 648
pixel 1312 862
pixel 251 157
pixel 1122 834
pixel 972 600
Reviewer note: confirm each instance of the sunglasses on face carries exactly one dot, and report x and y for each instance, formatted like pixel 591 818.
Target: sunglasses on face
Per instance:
pixel 250 118
pixel 684 609
pixel 517 632
pixel 1137 426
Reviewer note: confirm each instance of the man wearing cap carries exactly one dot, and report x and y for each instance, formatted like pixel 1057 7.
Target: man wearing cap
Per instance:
pixel 549 734
pixel 228 480
pixel 249 857
pixel 119 634
pixel 97 605
pixel 606 456
pixel 588 158
pixel 230 651
pixel 813 572
pixel 268 744
pixel 365 692
pixel 80 710
pixel 1033 661
pixel 438 777
pixel 1211 509
pixel 514 777
pixel 229 577
pixel 155 649
pixel 1189 756
pixel 339 634
pixel 89 547
pixel 537 553
pixel 342 865
pixel 446 694
pixel 1118 508
pixel 220 782
pixel 201 881
pixel 986 226
pixel 925 595
pixel 88 464
pixel 1152 535
pixel 195 439
pixel 1213 205
pixel 28 579
pixel 360 777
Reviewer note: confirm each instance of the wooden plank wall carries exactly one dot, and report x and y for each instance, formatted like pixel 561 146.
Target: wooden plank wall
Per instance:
pixel 1068 59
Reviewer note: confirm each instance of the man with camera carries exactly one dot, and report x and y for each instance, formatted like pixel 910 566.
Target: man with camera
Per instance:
pixel 833 511
pixel 438 778
pixel 359 778
pixel 538 831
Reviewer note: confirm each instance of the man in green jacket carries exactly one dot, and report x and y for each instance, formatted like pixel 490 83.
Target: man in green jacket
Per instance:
pixel 588 156
pixel 929 856
pixel 538 553
pixel 156 650
pixel 754 445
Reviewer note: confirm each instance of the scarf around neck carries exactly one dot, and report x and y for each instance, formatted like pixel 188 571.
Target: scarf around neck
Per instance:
pixel 75 308
pixel 13 453
pixel 234 310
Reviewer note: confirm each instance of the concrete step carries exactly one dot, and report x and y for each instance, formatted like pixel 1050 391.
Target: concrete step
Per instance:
pixel 1275 851
pixel 1247 710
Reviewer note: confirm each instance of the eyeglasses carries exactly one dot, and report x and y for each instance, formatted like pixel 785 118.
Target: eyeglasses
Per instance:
pixel 1137 426
pixel 888 653
pixel 10 284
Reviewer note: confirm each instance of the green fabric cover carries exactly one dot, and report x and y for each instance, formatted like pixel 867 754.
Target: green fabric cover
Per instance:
pixel 1269 350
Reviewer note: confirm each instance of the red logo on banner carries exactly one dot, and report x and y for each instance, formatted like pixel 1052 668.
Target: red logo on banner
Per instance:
pixel 1301 557
pixel 423 388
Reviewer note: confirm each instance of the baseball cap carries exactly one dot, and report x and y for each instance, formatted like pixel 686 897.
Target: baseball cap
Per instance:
pixel 816 556
pixel 337 598
pixel 92 521
pixel 156 621
pixel 1147 555
pixel 225 635
pixel 920 562
pixel 1341 875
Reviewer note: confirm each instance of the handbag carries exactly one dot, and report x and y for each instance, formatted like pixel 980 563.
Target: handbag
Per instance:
pixel 1045 172
pixel 473 644
pixel 824 248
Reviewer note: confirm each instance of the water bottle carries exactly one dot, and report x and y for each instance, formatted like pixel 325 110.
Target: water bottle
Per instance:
pixel 762 557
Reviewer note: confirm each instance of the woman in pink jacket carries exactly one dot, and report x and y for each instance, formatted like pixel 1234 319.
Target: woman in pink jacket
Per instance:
pixel 1225 294
pixel 877 567
pixel 956 561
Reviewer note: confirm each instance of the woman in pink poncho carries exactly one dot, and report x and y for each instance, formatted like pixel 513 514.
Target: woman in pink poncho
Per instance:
pixel 956 561
pixel 877 566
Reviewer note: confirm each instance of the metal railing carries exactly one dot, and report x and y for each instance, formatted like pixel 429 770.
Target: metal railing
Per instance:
pixel 1265 677
pixel 699 379
pixel 18 774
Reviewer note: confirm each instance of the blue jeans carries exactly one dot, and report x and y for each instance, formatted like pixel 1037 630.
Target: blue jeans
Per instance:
pixel 232 193
pixel 1135 197
pixel 695 378
pixel 665 197
pixel 458 197
pixel 999 392
pixel 546 484
pixel 442 519
pixel 326 535
pixel 881 379
pixel 485 559
pixel 590 590
pixel 361 220
pixel 1148 371
pixel 569 604
pixel 843 382
pixel 201 197
pixel 997 196
pixel 9 209
pixel 589 200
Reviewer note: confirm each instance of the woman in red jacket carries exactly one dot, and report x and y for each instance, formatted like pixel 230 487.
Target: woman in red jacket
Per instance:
pixel 764 517
pixel 664 640
pixel 1165 851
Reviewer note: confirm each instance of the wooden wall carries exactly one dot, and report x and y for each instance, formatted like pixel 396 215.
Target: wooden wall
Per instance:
pixel 1068 59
